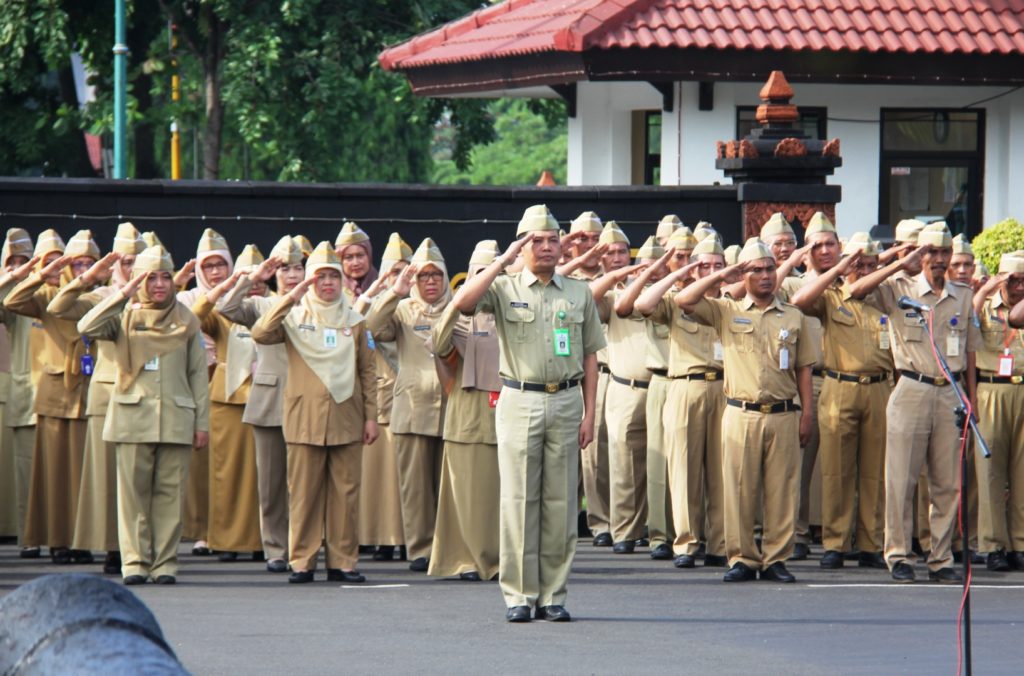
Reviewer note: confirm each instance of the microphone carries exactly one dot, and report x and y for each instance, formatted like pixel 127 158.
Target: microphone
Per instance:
pixel 908 303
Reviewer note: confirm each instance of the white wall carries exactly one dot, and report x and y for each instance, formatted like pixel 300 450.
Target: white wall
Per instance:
pixel 600 134
pixel 857 106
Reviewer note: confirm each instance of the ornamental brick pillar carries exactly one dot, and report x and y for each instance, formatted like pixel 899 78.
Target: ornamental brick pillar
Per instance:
pixel 778 167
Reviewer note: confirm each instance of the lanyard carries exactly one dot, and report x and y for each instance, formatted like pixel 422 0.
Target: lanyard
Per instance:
pixel 1008 333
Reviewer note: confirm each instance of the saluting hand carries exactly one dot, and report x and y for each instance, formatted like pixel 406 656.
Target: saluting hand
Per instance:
pixel 847 263
pixel 55 266
pixel 915 256
pixel 101 270
pixel 404 283
pixel 214 294
pixel 184 276
pixel 626 271
pixel 734 273
pixel 799 256
pixel 266 269
pixel 22 272
pixel 513 250
pixel 301 288
pixel 132 287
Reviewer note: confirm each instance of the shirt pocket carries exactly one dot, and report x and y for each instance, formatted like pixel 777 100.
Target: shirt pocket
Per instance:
pixel 184 402
pixel 128 399
pixel 992 333
pixel 266 379
pixel 843 317
pixel 521 322
pixel 572 319
pixel 661 331
pixel 912 329
pixel 741 336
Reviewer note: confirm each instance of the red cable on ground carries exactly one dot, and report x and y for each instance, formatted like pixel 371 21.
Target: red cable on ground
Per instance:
pixel 964 435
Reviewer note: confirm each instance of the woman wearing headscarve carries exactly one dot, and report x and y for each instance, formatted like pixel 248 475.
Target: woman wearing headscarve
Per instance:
pixel 212 265
pixel 330 412
pixel 356 255
pixel 466 534
pixel 234 522
pixel 418 406
pixel 380 502
pixel 159 411
pixel 96 518
pixel 17 394
pixel 245 304
pixel 60 395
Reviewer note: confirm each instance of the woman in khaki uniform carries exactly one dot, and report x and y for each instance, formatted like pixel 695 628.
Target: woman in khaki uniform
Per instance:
pixel 329 414
pixel 212 265
pixel 380 502
pixel 466 534
pixel 245 304
pixel 60 397
pixel 96 518
pixel 159 410
pixel 356 254
pixel 419 399
pixel 234 523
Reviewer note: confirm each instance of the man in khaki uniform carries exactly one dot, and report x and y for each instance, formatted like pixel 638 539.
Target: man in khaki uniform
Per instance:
pixel 1000 403
pixel 666 226
pixel 549 334
pixel 158 411
pixel 851 417
pixel 768 353
pixel 921 430
pixel 694 413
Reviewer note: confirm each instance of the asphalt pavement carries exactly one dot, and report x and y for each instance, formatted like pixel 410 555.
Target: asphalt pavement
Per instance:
pixel 630 615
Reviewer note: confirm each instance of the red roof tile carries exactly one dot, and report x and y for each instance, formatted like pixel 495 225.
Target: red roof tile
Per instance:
pixel 516 27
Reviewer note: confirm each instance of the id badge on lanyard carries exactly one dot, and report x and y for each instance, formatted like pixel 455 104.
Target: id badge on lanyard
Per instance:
pixel 87 363
pixel 1006 360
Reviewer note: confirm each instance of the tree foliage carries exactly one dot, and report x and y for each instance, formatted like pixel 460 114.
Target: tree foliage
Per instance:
pixel 996 240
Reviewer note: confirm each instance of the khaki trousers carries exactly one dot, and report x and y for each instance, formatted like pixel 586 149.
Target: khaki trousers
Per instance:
pixel 972 503
pixel 594 457
pixel 469 501
pixel 538 447
pixel 808 459
pixel 760 451
pixel 659 499
pixel 96 518
pixel 272 484
pixel 851 423
pixel 8 492
pixel 419 473
pixel 24 439
pixel 380 500
pixel 693 423
pixel 1001 419
pixel 196 524
pixel 234 522
pixel 151 481
pixel 55 482
pixel 626 417
pixel 323 504
pixel 920 432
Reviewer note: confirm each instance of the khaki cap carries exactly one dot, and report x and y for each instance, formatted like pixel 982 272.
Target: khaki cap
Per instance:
pixel 708 245
pixel 153 259
pixel 150 239
pixel 981 271
pixel 537 218
pixel 484 252
pixel 588 221
pixel 127 240
pixel 650 249
pixel 732 254
pixel 304 245
pixel 754 250
pixel 323 256
pixel 961 245
pixel 611 234
pixel 819 222
pixel 250 258
pixel 397 249
pixel 1012 263
pixel 775 226
pixel 17 243
pixel 667 225
pixel 705 229
pixel 862 242
pixel 350 234
pixel 427 252
pixel 682 239
pixel 937 235
pixel 82 244
pixel 212 241
pixel 907 230
pixel 288 250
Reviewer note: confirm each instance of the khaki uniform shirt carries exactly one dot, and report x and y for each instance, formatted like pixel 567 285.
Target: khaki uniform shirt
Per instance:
pixel 216 326
pixel 20 395
pixel 469 416
pixel 753 340
pixel 790 285
pixel 526 314
pixel 854 331
pixel 311 416
pixel 627 340
pixel 953 324
pixel 997 336
pixel 166 405
pixel 691 344
pixel 419 401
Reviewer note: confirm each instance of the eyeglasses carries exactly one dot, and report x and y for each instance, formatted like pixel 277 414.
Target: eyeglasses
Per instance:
pixel 81 265
pixel 213 265
pixel 436 275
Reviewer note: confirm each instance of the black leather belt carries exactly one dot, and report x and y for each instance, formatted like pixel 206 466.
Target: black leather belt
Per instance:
pixel 777 407
pixel 707 375
pixel 818 372
pixel 602 368
pixel 642 384
pixel 941 381
pixel 1000 380
pixel 659 372
pixel 550 388
pixel 856 378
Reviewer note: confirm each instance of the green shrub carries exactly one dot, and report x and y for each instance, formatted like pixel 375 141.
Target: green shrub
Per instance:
pixel 994 241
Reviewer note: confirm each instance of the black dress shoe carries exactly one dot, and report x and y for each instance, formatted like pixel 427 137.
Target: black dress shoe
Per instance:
pixel 777 573
pixel 301 577
pixel 977 558
pixel 339 575
pixel 831 559
pixel 112 564
pixel 81 556
pixel 259 556
pixel 1016 560
pixel 624 547
pixel 470 576
pixel 945 576
pixel 518 614
pixel 227 556
pixel 661 552
pixel 996 561
pixel 800 552
pixel 603 540
pixel 702 550
pixel 200 550
pixel 419 565
pixel 903 572
pixel 166 579
pixel 132 580
pixel 642 542
pixel 715 561
pixel 277 566
pixel 740 572
pixel 384 553
pixel 29 553
pixel 685 561
pixel 61 556
pixel 871 560
pixel 553 614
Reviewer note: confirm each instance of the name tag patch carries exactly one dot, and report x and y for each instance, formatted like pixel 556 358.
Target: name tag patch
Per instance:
pixel 741 320
pixel 519 304
pixel 152 365
pixel 307 327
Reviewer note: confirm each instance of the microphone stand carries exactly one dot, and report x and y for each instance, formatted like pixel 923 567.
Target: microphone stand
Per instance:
pixel 961 417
